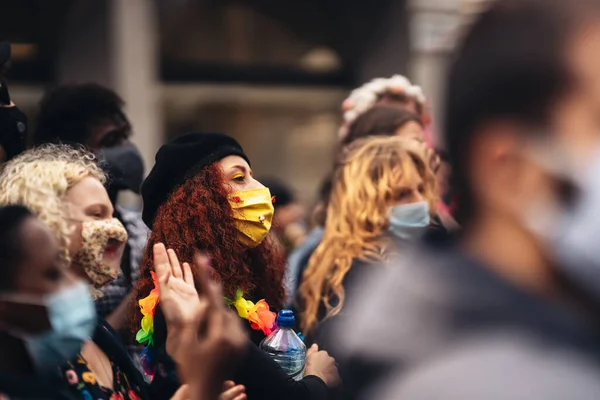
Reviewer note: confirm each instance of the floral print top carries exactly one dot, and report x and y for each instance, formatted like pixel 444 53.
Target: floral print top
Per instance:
pixel 82 380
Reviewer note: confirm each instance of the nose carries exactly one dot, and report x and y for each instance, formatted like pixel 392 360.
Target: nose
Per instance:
pixel 417 196
pixel 254 184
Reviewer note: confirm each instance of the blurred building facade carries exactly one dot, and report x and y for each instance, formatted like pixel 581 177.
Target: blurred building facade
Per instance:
pixel 273 74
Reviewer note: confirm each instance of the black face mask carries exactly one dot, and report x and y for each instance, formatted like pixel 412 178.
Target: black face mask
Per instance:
pixel 13 127
pixel 124 167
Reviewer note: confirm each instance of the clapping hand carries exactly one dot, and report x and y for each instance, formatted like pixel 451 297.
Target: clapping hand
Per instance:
pixel 205 338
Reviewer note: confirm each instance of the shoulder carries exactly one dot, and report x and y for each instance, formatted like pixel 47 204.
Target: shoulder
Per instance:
pixel 499 368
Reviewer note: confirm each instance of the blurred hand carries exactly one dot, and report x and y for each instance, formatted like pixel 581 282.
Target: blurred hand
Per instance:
pixel 205 339
pixel 231 391
pixel 321 364
pixel 183 393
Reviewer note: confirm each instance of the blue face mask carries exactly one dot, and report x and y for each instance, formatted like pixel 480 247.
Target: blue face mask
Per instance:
pixel 409 221
pixel 72 317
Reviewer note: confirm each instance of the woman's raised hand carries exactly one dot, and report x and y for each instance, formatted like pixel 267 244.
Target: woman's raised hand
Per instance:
pixel 205 338
pixel 179 298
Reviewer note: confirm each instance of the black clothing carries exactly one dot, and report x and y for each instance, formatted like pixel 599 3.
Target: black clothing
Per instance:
pixel 322 334
pixel 54 386
pixel 440 322
pixel 262 377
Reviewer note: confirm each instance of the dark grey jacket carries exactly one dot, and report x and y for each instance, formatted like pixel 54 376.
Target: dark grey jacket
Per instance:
pixel 439 325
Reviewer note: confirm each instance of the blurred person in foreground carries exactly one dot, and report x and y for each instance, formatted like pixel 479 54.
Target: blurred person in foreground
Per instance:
pixel 46 312
pixel 509 308
pixel 382 200
pixel 92 116
pixel 288 219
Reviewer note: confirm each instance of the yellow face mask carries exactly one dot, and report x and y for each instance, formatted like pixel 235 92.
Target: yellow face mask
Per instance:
pixel 253 213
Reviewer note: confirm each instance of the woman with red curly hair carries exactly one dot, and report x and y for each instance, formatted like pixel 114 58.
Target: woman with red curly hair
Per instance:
pixel 201 197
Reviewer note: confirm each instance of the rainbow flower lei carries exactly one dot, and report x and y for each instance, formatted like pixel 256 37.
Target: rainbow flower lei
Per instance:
pixel 259 315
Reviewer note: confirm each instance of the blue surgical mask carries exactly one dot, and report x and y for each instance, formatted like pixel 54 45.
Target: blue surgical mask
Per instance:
pixel 72 317
pixel 409 221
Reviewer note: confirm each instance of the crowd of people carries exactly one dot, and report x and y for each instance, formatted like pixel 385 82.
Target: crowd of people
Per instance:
pixel 464 267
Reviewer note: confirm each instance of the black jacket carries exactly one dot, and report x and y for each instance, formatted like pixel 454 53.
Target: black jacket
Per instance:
pixel 263 378
pixel 438 324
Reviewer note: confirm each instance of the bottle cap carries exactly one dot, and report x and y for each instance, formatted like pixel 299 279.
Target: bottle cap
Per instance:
pixel 285 319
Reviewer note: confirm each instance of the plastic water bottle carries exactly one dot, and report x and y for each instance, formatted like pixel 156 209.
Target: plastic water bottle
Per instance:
pixel 285 347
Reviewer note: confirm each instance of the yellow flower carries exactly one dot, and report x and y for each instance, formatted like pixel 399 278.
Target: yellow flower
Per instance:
pixel 243 307
pixel 89 377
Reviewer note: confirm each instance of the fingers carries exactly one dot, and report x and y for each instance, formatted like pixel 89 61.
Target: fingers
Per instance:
pixel 161 263
pixel 208 288
pixel 228 385
pixel 175 266
pixel 234 393
pixel 182 393
pixel 188 277
pixel 313 349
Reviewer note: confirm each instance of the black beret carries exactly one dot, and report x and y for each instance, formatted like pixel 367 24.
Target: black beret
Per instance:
pixel 180 159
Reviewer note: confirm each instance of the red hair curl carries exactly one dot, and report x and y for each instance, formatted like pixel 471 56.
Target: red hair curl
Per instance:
pixel 198 217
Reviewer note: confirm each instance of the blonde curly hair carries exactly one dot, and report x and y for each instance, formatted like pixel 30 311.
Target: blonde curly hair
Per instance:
pixel 368 177
pixel 40 178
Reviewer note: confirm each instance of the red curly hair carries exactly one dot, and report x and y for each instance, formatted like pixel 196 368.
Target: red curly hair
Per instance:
pixel 197 217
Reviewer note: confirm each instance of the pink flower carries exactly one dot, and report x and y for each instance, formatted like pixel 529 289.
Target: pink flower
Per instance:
pixel 71 377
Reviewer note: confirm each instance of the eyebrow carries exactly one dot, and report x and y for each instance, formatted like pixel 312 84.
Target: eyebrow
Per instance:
pixel 241 168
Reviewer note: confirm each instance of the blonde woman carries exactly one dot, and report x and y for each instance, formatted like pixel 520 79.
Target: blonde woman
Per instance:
pixel 383 192
pixel 64 187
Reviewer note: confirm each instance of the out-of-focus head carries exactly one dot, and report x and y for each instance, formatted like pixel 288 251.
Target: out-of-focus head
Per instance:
pixel 64 187
pixel 92 116
pixel 385 120
pixel 86 114
pixel 30 254
pixel 396 91
pixel 372 176
pixel 523 93
pixel 32 267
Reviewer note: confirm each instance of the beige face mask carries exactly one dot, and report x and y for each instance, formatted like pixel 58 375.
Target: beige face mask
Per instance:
pixel 95 236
